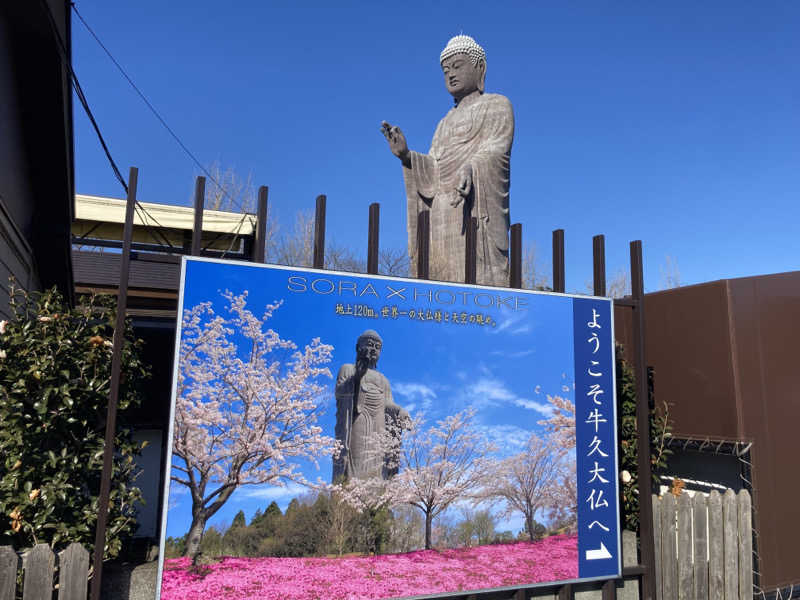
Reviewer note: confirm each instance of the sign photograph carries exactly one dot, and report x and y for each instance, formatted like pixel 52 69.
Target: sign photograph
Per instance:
pixel 341 436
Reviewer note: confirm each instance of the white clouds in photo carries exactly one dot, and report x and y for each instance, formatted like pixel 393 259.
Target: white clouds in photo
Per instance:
pixel 489 391
pixel 273 492
pixel 414 396
pixel 511 324
pixel 519 354
pixel 509 439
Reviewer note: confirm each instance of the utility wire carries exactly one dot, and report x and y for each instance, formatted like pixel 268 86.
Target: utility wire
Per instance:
pixel 79 93
pixel 155 112
pixel 144 214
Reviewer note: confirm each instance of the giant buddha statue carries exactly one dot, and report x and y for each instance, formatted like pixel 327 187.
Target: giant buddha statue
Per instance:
pixel 464 174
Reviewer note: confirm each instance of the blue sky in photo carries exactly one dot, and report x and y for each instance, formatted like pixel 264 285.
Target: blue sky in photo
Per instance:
pixel 675 123
pixel 504 371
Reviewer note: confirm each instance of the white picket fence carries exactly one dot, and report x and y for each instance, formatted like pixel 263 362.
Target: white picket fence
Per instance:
pixel 704 546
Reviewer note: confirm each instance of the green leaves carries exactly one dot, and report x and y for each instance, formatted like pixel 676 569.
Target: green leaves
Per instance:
pixel 629 435
pixel 53 397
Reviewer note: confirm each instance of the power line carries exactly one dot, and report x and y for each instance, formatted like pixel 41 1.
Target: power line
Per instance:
pixel 79 93
pixel 155 112
pixel 144 214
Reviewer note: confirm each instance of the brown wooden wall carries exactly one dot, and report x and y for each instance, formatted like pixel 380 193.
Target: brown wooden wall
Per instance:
pixel 726 359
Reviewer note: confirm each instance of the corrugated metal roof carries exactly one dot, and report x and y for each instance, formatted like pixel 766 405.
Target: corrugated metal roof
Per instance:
pixel 102 269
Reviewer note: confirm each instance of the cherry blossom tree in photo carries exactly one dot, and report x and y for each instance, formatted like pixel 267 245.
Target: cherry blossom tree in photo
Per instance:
pixel 443 463
pixel 561 424
pixel 562 504
pixel 369 496
pixel 530 481
pixel 247 406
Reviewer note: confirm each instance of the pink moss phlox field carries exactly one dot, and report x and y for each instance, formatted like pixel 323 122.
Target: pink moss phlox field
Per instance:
pixel 373 577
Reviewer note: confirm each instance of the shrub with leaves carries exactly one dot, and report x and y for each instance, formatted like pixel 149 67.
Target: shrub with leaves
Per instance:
pixel 55 372
pixel 628 436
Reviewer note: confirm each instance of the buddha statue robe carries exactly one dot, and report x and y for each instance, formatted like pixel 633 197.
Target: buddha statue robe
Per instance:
pixel 362 410
pixel 478 131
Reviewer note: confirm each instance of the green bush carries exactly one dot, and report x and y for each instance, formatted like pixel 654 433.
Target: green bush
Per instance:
pixel 55 370
pixel 629 438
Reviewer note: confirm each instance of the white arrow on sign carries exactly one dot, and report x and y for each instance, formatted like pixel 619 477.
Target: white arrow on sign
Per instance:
pixel 600 553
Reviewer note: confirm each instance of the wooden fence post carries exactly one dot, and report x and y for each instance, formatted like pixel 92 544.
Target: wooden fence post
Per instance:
pixel 113 393
pixel 319 233
pixel 700 514
pixel 657 546
pixel 669 570
pixel 716 568
pixel 730 523
pixel 516 256
pixel 599 264
pixel 73 567
pixel 559 277
pixel 685 567
pixel 39 565
pixel 9 563
pixel 646 541
pixel 745 546
pixel 199 207
pixel 373 238
pixel 260 247
pixel 471 251
pixel 423 244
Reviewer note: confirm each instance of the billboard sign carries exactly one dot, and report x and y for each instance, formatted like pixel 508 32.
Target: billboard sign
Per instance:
pixel 344 436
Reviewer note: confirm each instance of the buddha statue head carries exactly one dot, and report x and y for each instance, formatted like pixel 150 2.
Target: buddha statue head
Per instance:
pixel 463 63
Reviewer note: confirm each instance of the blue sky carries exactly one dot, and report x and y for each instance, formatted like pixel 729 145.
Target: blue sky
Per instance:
pixel 674 123
pixel 505 371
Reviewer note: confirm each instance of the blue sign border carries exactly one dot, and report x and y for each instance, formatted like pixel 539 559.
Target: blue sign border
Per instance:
pixel 596 439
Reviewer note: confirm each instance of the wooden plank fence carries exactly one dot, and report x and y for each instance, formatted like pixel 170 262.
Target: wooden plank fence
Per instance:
pixel 38 569
pixel 704 546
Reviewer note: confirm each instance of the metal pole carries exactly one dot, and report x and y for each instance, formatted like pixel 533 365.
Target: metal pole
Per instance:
pixel 373 238
pixel 558 261
pixel 199 206
pixel 599 263
pixel 113 394
pixel 471 251
pixel 646 540
pixel 260 247
pixel 516 255
pixel 319 233
pixel 423 244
